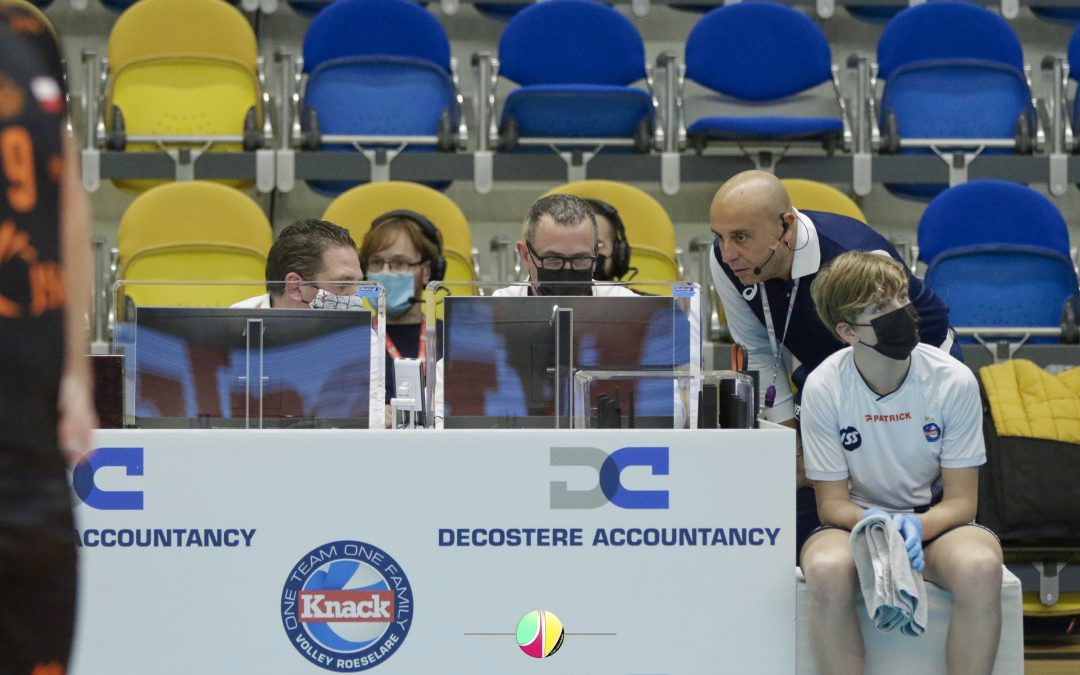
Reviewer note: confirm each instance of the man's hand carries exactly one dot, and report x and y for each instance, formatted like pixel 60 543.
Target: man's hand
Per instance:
pixel 910 528
pixel 77 418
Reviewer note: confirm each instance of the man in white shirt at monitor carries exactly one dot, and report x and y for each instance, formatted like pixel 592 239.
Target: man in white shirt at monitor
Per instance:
pixel 559 250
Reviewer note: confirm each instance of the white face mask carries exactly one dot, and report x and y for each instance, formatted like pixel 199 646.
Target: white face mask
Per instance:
pixel 326 300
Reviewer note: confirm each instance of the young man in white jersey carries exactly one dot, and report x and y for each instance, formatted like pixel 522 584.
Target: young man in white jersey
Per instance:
pixel 882 421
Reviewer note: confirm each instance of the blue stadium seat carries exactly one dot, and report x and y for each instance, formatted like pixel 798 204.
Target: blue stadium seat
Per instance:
pixel 500 11
pixel 991 212
pixel 309 7
pixel 874 13
pixel 574 61
pixel 760 63
pixel 1002 285
pixel 944 83
pixel 1065 15
pixel 1074 73
pixel 377 68
pixel 879 13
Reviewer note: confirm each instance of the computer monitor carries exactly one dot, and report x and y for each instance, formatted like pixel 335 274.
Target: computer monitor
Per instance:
pixel 227 367
pixel 499 367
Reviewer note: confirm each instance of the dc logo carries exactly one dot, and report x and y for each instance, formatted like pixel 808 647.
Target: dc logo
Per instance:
pixel 83 479
pixel 932 432
pixel 850 438
pixel 609 487
pixel 347 606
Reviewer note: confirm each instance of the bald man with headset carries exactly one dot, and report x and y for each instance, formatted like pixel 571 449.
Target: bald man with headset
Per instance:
pixel 765 256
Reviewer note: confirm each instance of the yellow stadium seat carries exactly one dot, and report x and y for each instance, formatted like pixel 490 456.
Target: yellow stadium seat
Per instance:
pixel 182 67
pixel 192 232
pixel 815 196
pixel 355 209
pixel 649 230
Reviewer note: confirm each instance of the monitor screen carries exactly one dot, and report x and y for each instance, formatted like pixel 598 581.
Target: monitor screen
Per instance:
pixel 227 367
pixel 500 355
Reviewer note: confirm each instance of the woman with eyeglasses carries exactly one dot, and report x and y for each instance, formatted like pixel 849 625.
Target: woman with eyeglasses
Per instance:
pixel 403 252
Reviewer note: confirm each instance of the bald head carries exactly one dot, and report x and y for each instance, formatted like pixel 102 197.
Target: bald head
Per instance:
pixel 757 192
pixel 752 217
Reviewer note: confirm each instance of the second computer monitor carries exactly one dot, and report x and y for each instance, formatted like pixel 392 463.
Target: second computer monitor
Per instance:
pixel 506 365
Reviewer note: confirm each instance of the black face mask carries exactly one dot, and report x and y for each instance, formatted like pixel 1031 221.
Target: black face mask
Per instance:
pixel 897 332
pixel 574 282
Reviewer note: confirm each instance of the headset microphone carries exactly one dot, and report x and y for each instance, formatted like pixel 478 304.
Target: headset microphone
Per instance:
pixel 758 268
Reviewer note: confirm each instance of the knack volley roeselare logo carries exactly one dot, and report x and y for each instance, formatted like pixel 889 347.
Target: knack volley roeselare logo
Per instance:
pixel 347 606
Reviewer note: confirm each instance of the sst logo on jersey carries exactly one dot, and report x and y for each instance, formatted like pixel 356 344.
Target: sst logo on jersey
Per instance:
pixel 850 438
pixel 932 432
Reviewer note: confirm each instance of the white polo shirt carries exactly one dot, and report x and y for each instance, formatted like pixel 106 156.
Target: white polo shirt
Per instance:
pixel 891 448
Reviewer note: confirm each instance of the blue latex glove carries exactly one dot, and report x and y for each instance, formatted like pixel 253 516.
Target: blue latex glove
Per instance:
pixel 872 511
pixel 910 528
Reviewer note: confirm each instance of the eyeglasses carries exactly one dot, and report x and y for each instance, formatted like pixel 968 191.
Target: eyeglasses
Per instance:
pixel 556 263
pixel 395 265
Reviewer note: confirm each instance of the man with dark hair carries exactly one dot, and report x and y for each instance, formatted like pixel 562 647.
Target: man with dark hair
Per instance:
pixel 560 248
pixel 45 384
pixel 308 255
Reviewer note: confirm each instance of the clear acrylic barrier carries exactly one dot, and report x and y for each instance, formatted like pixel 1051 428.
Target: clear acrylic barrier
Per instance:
pixel 506 358
pixel 635 399
pixel 217 355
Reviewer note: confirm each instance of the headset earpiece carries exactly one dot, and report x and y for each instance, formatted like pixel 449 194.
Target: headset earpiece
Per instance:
pixel 438 265
pixel 620 247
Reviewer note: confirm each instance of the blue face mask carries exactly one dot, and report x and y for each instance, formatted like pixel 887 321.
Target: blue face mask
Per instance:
pixel 400 287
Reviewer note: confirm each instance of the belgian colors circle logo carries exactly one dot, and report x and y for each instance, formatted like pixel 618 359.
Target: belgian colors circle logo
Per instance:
pixel 540 634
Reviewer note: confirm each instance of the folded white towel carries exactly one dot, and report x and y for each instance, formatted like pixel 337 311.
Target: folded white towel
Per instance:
pixel 895 594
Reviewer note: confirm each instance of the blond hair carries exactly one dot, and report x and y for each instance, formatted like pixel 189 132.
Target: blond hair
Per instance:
pixel 854 281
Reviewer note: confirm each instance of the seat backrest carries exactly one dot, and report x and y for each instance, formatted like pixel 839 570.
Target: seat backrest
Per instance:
pixel 1003 285
pixel 649 229
pixel 364 95
pixel 814 196
pixel 182 67
pixel 571 42
pixel 757 51
pixel 398 28
pixel 990 212
pixel 962 98
pixel 193 231
pixel 357 208
pixel 155 29
pixel 932 31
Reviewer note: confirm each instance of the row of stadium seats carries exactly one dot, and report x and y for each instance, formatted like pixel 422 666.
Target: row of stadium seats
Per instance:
pixel 998 253
pixel 503 11
pixel 377 75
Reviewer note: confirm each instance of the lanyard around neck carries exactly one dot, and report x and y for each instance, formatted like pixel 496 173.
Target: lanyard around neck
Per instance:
pixel 421 354
pixel 776 346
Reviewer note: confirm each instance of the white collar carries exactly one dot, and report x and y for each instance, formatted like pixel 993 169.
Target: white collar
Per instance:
pixel 807 255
